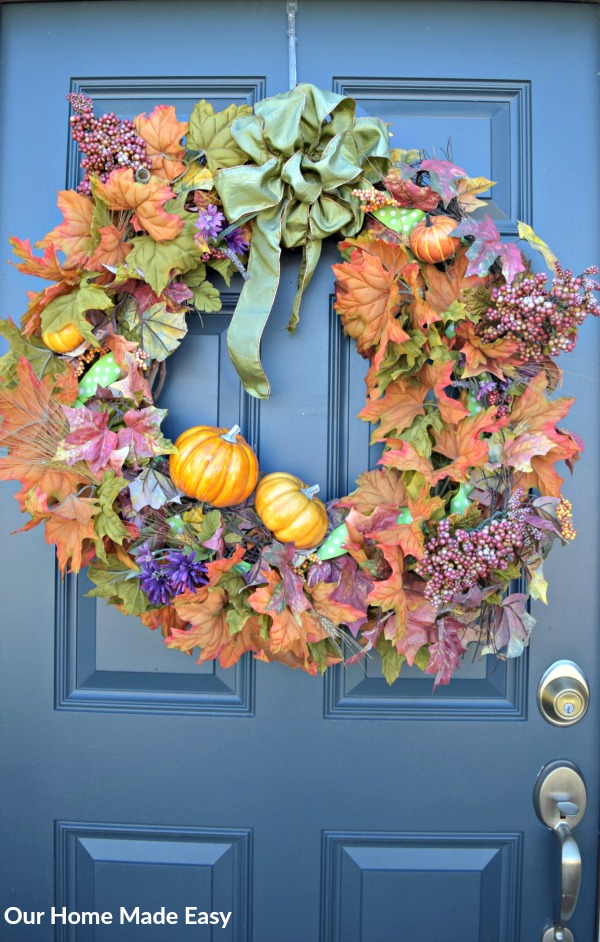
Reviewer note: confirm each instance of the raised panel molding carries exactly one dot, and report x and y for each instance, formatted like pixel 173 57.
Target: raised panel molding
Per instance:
pixel 382 887
pixel 482 689
pixel 501 108
pixel 129 96
pixel 102 867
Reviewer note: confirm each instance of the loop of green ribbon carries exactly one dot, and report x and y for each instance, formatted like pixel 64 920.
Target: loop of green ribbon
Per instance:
pixel 309 152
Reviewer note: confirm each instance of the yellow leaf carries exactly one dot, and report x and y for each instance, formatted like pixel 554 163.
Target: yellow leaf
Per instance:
pixel 196 177
pixel 527 233
pixel 538 586
pixel 469 188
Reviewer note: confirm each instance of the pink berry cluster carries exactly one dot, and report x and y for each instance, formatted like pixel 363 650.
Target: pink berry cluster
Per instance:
pixel 107 142
pixel 541 322
pixel 456 562
pixel 496 398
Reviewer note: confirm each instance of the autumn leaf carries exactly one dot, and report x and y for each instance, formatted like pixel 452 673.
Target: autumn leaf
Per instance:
pixel 463 445
pixel 381 486
pixel 209 133
pixel 421 620
pixel 404 457
pixel 206 296
pixel 288 632
pixel 111 251
pixel 34 351
pixel 367 301
pixel 512 626
pixel 527 233
pixel 116 581
pixel 142 436
pixel 162 133
pixel 152 489
pixel 205 611
pixel 108 522
pixel 165 618
pixel 438 377
pixel 446 652
pixel 395 410
pixel 481 357
pixel 159 262
pixel 70 527
pixel 48 267
pixel 324 603
pixel 468 189
pixel 443 177
pixel 73 235
pixel 71 309
pixel 446 287
pixel 158 330
pixel 205 528
pixel 519 450
pixel 121 192
pixel 406 193
pixel 389 594
pixel 90 440
pixel 487 247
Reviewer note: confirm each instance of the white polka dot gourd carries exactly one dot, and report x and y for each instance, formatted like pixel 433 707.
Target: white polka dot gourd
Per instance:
pixel 104 372
pixel 399 220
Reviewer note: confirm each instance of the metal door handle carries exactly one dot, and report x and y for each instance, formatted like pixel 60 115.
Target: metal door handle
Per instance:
pixel 560 799
pixel 570 871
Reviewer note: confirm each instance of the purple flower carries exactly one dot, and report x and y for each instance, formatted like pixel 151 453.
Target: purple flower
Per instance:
pixel 235 241
pixel 184 572
pixel 154 581
pixel 210 221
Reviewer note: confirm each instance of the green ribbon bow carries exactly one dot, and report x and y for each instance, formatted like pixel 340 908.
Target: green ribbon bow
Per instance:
pixel 309 152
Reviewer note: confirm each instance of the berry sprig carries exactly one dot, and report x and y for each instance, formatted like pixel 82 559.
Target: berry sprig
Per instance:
pixel 372 200
pixel 541 322
pixel 564 516
pixel 455 563
pixel 107 142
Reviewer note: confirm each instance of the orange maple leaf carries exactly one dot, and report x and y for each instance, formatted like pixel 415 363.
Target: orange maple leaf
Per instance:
pixel 395 410
pixel 69 526
pixel 217 567
pixel 162 133
pixel 480 356
pixel 405 457
pixel 380 486
pixel 111 250
pixel 166 618
pixel 389 594
pixel 205 611
pixel 48 267
pixel 367 300
pixel 121 192
pixel 437 376
pixel 73 235
pixel 288 633
pixel 463 445
pixel 31 322
pixel 337 612
pixel 444 287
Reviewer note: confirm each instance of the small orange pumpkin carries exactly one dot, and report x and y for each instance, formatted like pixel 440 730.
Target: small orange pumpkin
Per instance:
pixel 214 465
pixel 430 241
pixel 290 509
pixel 63 340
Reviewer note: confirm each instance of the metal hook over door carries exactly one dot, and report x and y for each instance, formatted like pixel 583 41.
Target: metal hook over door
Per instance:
pixel 560 799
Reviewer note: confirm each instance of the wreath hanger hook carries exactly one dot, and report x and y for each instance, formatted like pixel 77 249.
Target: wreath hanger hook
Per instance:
pixel 291 9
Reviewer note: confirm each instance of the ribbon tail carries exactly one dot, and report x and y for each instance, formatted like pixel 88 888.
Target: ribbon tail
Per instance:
pixel 255 302
pixel 311 252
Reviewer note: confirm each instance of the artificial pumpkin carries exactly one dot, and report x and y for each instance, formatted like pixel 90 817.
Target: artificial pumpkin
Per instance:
pixel 290 509
pixel 64 340
pixel 214 465
pixel 430 240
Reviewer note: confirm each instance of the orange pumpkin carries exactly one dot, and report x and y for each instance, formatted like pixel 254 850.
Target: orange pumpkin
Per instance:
pixel 430 241
pixel 290 509
pixel 214 465
pixel 63 340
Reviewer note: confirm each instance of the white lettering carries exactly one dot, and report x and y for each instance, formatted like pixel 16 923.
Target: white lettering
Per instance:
pixel 13 916
pixel 195 918
pixel 79 919
pixel 144 918
pixel 124 916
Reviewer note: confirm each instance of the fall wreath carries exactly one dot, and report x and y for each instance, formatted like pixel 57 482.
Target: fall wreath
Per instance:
pixel 421 559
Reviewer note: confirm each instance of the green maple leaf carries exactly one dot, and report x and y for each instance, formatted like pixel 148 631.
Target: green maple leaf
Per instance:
pixel 118 585
pixel 224 267
pixel 71 308
pixel 206 296
pixel 157 330
pixel 41 358
pixel 158 260
pixel 391 660
pixel 108 523
pixel 210 134
pixel 238 610
pixel 418 432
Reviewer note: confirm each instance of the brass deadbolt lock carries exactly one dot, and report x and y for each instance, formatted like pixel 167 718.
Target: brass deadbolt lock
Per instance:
pixel 563 694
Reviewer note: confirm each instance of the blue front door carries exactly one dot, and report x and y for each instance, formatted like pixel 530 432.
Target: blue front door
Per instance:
pixel 339 809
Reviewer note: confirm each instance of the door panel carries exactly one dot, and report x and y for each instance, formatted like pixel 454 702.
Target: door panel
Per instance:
pixel 131 776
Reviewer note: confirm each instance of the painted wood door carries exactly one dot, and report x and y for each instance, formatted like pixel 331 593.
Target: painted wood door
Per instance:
pixel 338 809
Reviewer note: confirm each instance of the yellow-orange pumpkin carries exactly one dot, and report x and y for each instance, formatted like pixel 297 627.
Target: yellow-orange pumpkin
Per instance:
pixel 214 465
pixel 63 340
pixel 290 510
pixel 430 242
